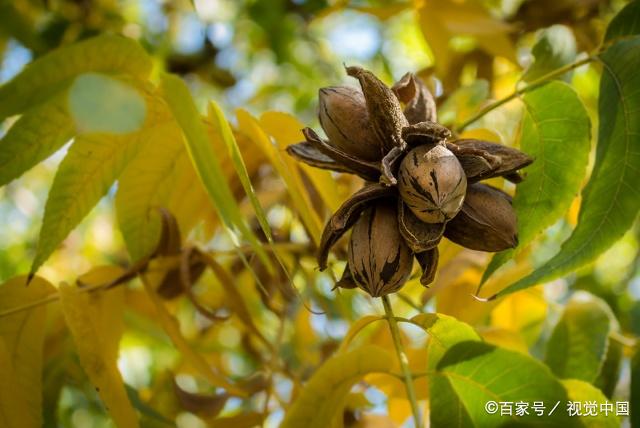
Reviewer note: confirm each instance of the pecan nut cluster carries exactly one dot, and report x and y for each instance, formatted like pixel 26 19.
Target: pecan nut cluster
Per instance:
pixel 419 185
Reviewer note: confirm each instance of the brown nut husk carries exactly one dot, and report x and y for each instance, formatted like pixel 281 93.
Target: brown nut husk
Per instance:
pixel 379 259
pixel 432 183
pixel 428 261
pixel 487 221
pixel 347 215
pixel 503 160
pixel 419 103
pixel 344 117
pixel 385 112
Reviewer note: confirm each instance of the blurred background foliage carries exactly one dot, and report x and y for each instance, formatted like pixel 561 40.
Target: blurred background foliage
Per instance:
pixel 274 55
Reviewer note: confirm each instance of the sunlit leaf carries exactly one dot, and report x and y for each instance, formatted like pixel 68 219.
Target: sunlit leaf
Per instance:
pixel 584 392
pixel 172 329
pixel 557 135
pixel 287 130
pixel 611 199
pixel 522 312
pixel 556 47
pixel 356 328
pixel 578 345
pixel 444 332
pixel 472 373
pixel 38 133
pixel 96 324
pixel 85 175
pixel 383 12
pixel 223 131
pixel 160 176
pixel 53 71
pixel 99 103
pixel 505 338
pixel 252 129
pixel 205 160
pixel 323 396
pixel 440 20
pixel 21 352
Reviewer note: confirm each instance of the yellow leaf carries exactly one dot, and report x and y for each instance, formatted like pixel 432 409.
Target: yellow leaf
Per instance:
pixel 505 338
pixel 96 324
pixel 481 134
pixel 21 342
pixel 584 392
pixel 206 161
pixel 305 341
pixel 285 167
pixel 242 420
pixel 441 20
pixel 15 412
pixel 383 12
pixel 160 176
pixel 172 328
pixel 399 410
pixel 92 164
pixel 323 396
pixel 51 72
pixel 287 130
pixel 356 328
pixel 522 312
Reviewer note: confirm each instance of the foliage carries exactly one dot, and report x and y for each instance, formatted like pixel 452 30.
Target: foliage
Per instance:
pixel 173 281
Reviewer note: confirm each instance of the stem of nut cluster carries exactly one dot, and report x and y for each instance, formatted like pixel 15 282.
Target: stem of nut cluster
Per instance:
pixel 533 85
pixel 404 361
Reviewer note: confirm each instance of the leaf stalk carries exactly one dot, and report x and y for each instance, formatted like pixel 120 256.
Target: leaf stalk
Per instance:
pixel 531 86
pixel 404 362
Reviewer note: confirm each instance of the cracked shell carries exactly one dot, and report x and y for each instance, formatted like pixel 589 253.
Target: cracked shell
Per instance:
pixel 432 183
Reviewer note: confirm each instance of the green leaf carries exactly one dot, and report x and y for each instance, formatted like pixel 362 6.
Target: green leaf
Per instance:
pixel 625 23
pixel 17 24
pixel 584 392
pixel 99 103
pixel 223 131
pixel 472 373
pixel 21 352
pixel 557 135
pixel 555 47
pixel 578 345
pixel 634 396
pixel 444 332
pixel 323 396
pixel 48 74
pixel 85 175
pixel 610 371
pixel 611 199
pixel 205 160
pixel 38 134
